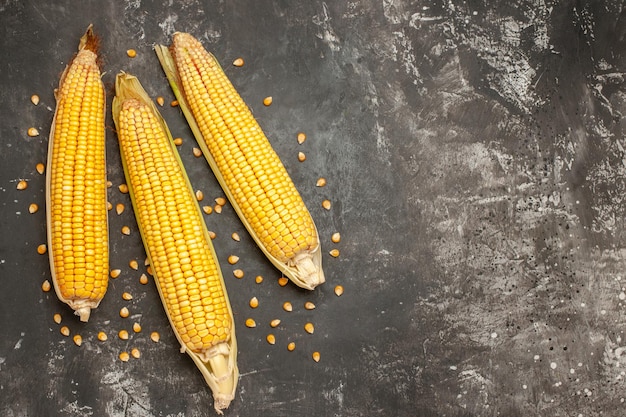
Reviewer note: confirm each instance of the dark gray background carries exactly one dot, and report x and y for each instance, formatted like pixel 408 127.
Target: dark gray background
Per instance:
pixel 476 163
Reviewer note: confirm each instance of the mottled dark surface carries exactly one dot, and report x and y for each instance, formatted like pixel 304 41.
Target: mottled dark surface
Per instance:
pixel 476 164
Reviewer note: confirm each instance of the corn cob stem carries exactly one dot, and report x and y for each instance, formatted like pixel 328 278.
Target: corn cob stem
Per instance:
pixel 76 214
pixel 243 161
pixel 176 240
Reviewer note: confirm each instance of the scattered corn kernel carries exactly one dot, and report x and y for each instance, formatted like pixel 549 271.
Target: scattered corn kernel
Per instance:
pixel 65 331
pixel 309 328
pixel 41 168
pixel 174 103
pixel 258 279
pixel 115 273
pixel 123 334
pixel 57 318
pixel 45 286
pixel 309 305
pixel 212 235
pixel 274 323
pixel 199 195
pixel 207 209
pixel 22 185
pixel 102 336
pixel 291 346
pixel 119 208
pixel 155 337
pixel 197 152
pixel 123 188
pixel 135 353
pixel 326 204
pixel 250 323
pixel 218 209
pixel 146 261
pixel 42 249
pixel 32 132
pixel 267 101
pixel 254 302
pixel 143 279
pixel 109 184
pixel 149 270
pixel 136 327
pixel 33 208
pixel 287 306
pixel 178 141
pixel 301 157
pixel 160 101
pixel 78 340
pixel 233 259
pixel 238 62
pixel 126 230
pixel 133 264
pixel 271 339
pixel 127 296
pixel 334 253
pixel 34 99
pixel 220 201
pixel 238 273
pixel 124 356
pixel 339 290
pixel 336 237
pixel 320 182
pixel 235 237
pixel 131 53
pixel 301 138
pixel 109 206
pixel 124 312
pixel 316 356
pixel 282 281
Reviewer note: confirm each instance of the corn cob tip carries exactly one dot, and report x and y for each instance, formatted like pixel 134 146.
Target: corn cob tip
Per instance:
pixel 307 269
pixel 83 313
pixel 89 41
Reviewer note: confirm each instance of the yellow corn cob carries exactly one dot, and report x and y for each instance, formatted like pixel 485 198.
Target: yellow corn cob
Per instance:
pixel 176 239
pixel 76 193
pixel 248 169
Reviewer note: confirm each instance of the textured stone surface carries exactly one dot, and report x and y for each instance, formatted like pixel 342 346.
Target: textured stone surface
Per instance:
pixel 475 162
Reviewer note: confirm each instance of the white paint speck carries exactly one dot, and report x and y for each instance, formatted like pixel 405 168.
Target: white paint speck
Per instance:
pixel 524 386
pixel 536 357
pixel 453 368
pixel 553 365
pixel 494 335
pixel 622 295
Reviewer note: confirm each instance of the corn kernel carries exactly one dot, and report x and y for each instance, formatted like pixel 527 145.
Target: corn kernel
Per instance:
pixel 45 286
pixel 217 208
pixel 309 305
pixel 301 157
pixel 57 318
pixel 271 339
pixel 220 201
pixel 102 336
pixel 250 323
pixel 320 182
pixel 254 302
pixel 301 138
pixel 123 334
pixel 316 356
pixel 78 340
pixel 127 296
pixel 109 184
pixel 124 357
pixel 282 281
pixel 334 253
pixel 133 264
pixel 174 103
pixel 267 101
pixel 235 237
pixel 123 188
pixel 238 273
pixel 115 273
pixel 258 279
pixel 149 270
pixel 336 237
pixel 338 290
pixel 32 132
pixel 136 327
pixel 126 230
pixel 33 208
pixel 287 306
pixel 65 331
pixel 178 141
pixel 119 208
pixel 233 259
pixel 197 152
pixel 291 346
pixel 274 323
pixel 135 353
pixel 309 328
pixel 22 185
pixel 124 312
pixel 42 249
pixel 160 101
pixel 212 234
pixel 131 53
pixel 155 337
pixel 207 209
pixel 143 279
pixel 326 204
pixel 199 195
pixel 41 168
pixel 109 206
pixel 34 99
pixel 238 62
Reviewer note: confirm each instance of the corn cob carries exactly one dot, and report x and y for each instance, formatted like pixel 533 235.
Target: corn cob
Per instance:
pixel 241 157
pixel 176 239
pixel 76 211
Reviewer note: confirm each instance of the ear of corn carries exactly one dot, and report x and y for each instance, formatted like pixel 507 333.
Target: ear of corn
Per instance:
pixel 76 212
pixel 176 239
pixel 241 157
